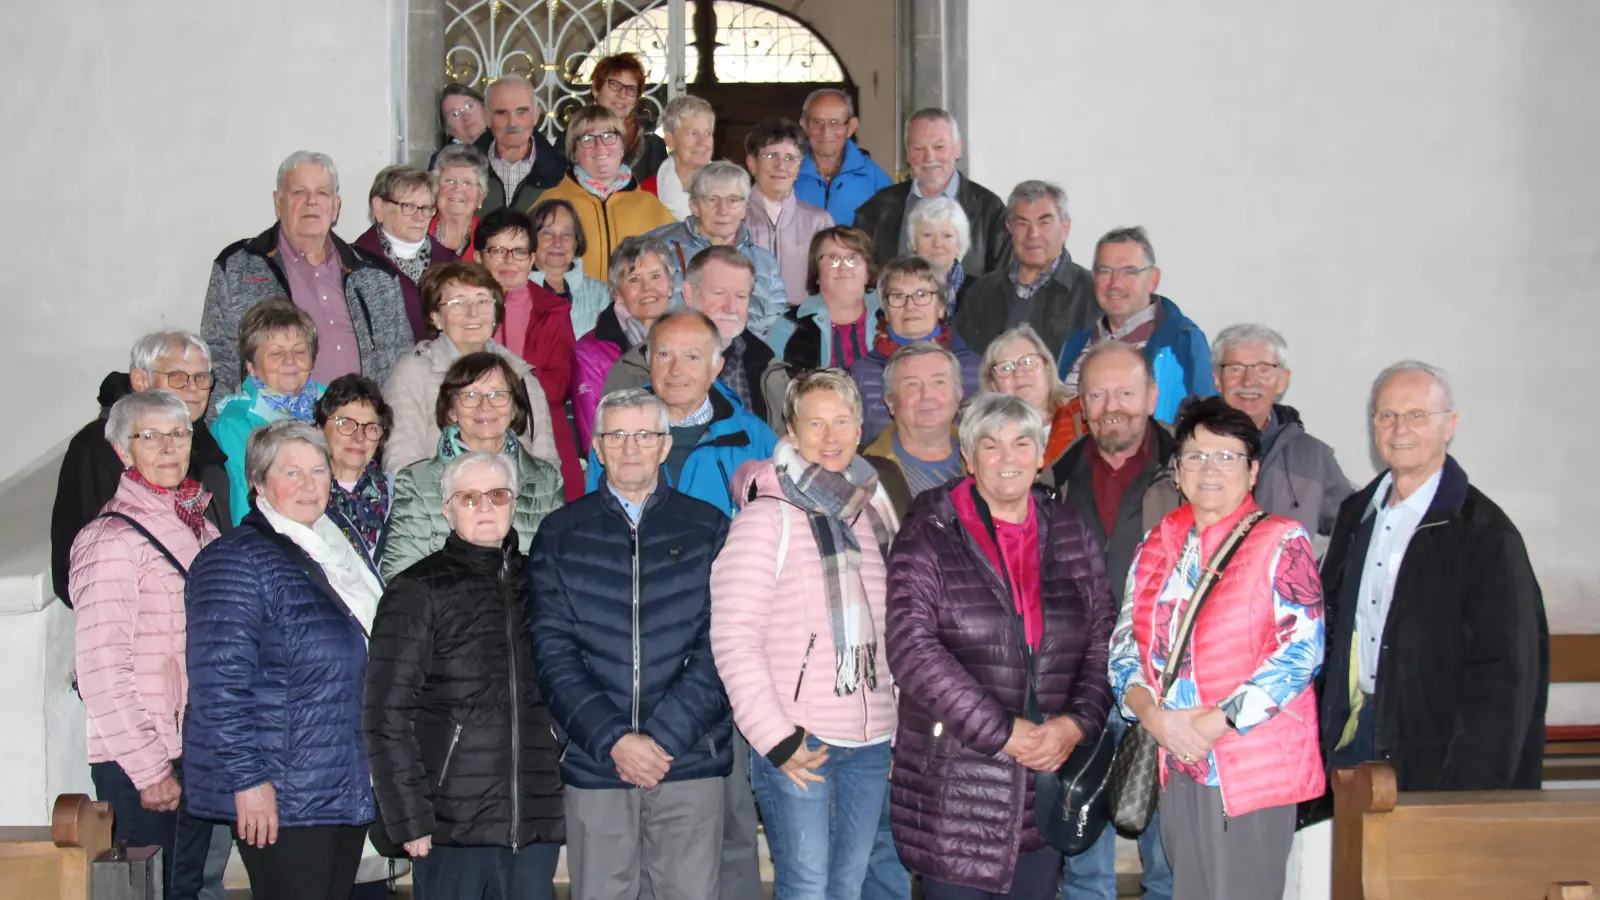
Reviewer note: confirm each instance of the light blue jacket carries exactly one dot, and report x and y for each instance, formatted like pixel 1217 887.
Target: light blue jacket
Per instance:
pixel 858 179
pixel 589 297
pixel 237 416
pixel 767 301
pixel 813 313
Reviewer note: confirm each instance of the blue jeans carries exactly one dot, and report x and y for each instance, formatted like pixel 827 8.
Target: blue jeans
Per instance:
pixel 887 878
pixel 1092 874
pixel 821 838
pixel 183 839
pixel 491 873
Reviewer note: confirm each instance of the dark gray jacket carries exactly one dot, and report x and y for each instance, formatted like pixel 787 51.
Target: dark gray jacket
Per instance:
pixel 248 271
pixel 1147 501
pixel 1300 478
pixel 1061 306
pixel 883 216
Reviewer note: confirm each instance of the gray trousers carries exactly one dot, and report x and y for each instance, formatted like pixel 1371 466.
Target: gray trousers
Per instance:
pixel 741 867
pixel 1242 858
pixel 217 863
pixel 672 833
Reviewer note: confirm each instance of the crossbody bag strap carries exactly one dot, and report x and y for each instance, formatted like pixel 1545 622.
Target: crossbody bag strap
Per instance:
pixel 1209 576
pixel 145 533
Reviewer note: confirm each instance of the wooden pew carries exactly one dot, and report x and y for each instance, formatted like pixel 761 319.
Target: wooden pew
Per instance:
pixel 1486 845
pixel 52 863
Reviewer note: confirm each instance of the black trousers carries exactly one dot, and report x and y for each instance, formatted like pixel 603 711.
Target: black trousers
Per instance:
pixel 183 839
pixel 316 862
pixel 1038 877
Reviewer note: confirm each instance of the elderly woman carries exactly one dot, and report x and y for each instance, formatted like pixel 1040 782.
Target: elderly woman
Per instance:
pixel 999 621
pixel 941 234
pixel 463 173
pixel 619 86
pixel 277 341
pixel 465 304
pixel 833 326
pixel 603 190
pixel 914 309
pixel 691 127
pixel 558 248
pixel 402 204
pixel 463 750
pixel 1238 733
pixel 354 419
pixel 461 115
pixel 1018 363
pixel 279 613
pixel 482 405
pixel 814 521
pixel 128 568
pixel 641 288
pixel 718 196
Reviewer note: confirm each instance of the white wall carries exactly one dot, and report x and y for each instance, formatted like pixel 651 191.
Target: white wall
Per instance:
pixel 1377 180
pixel 142 138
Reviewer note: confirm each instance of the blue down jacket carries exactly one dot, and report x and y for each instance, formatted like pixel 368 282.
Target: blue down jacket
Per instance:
pixel 277 667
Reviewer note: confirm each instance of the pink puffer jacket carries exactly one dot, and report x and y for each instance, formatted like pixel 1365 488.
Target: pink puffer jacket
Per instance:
pixel 770 632
pixel 131 631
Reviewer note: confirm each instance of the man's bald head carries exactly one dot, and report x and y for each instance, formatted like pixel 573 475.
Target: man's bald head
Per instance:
pixel 1119 395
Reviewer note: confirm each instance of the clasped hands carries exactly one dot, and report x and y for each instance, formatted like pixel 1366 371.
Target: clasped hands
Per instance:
pixel 1043 748
pixel 640 760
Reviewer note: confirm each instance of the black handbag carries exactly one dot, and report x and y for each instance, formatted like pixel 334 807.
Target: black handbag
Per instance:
pixel 1135 782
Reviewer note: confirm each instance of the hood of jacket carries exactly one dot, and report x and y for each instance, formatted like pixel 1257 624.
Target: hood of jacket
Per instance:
pixel 441 353
pixel 113 387
pixel 814 307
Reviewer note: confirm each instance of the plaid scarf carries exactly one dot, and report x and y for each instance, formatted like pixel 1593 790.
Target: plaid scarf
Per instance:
pixel 832 501
pixel 953 280
pixel 363 509
pixel 733 371
pixel 411 268
pixel 188 499
pixel 602 189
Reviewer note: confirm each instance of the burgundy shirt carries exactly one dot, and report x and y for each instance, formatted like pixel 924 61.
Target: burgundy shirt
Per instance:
pixel 319 290
pixel 850 342
pixel 1110 484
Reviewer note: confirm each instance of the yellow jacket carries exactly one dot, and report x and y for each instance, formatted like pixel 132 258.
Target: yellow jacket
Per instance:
pixel 627 213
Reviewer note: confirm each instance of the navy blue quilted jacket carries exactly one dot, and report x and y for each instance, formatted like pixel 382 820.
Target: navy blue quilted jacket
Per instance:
pixel 622 633
pixel 277 666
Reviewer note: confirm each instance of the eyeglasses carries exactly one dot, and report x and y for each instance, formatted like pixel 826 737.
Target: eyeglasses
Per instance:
pixel 1225 460
pixel 721 202
pixel 180 380
pixel 520 254
pixel 474 499
pixel 834 260
pixel 463 308
pixel 646 440
pixel 897 299
pixel 465 107
pixel 829 124
pixel 608 138
pixel 411 209
pixel 1388 418
pixel 153 438
pixel 622 87
pixel 787 159
pixel 349 427
pixel 1262 369
pixel 1114 271
pixel 1025 363
pixel 470 184
pixel 475 399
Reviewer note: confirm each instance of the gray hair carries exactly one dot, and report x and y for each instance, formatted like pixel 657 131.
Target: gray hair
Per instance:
pixel 912 351
pixel 261 450
pixel 849 103
pixel 683 312
pixel 131 407
pixel 715 174
pixel 514 81
pixel 723 253
pixel 682 107
pixel 630 254
pixel 934 114
pixel 631 398
pixel 463 156
pixel 1105 348
pixel 942 209
pixel 991 355
pixel 1249 333
pixel 918 268
pixel 447 481
pixel 1133 234
pixel 990 412
pixel 1034 191
pixel 302 157
pixel 392 181
pixel 1439 376
pixel 156 344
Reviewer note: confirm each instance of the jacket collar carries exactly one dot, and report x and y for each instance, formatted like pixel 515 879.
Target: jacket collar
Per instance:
pixel 1447 501
pixel 266 244
pixel 1175 528
pixel 1075 458
pixel 741 240
pixel 658 496
pixel 854 161
pixel 547 160
pixel 814 307
pixel 482 559
pixel 608 329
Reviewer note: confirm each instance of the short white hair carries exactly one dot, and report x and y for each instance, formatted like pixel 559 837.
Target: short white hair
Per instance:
pixel 990 412
pixel 302 157
pixel 632 398
pixel 713 175
pixel 127 411
pixel 497 461
pixel 262 449
pixel 1249 333
pixel 934 114
pixel 942 209
pixel 1439 376
pixel 146 350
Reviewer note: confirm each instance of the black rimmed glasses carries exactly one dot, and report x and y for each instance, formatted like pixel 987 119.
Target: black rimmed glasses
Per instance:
pixel 608 138
pixel 897 299
pixel 410 209
pixel 1261 369
pixel 646 440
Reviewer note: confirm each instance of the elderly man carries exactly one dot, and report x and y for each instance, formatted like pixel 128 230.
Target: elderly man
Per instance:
pixel 1125 281
pixel 1438 655
pixel 623 656
pixel 836 175
pixel 1299 477
pixel 1041 286
pixel 719 194
pixel 1119 479
pixel 922 388
pixel 933 147
pixel 522 164
pixel 353 298
pixel 718 283
pixel 780 223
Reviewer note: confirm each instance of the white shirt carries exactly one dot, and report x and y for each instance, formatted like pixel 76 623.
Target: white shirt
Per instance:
pixel 1391 535
pixel 670 190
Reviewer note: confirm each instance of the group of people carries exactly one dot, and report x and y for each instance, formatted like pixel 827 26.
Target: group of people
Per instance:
pixel 627 500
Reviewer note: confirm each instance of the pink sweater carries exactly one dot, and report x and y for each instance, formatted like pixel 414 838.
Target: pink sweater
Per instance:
pixel 131 631
pixel 761 633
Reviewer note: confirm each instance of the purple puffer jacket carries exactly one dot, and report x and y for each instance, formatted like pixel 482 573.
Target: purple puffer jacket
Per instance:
pixel 592 357
pixel 962 812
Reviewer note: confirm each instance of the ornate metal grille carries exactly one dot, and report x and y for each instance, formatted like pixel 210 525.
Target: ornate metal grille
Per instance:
pixel 754 44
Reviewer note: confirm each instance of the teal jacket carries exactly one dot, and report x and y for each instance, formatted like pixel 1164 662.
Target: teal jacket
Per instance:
pixel 803 336
pixel 1178 353
pixel 237 416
